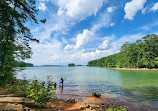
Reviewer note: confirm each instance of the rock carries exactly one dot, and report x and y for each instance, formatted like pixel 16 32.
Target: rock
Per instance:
pixel 71 100
pixel 82 108
pixel 92 108
pixel 88 106
pixel 95 94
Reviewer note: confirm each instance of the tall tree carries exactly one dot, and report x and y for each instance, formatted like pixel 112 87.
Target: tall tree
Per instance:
pixel 14 35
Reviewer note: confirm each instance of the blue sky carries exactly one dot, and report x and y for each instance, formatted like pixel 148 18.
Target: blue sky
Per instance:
pixel 82 30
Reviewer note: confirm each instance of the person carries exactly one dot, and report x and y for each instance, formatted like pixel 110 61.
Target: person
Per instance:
pixel 62 81
pixel 61 87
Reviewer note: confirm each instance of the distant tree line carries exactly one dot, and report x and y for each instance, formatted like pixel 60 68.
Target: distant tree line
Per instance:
pixel 22 64
pixel 71 64
pixel 140 54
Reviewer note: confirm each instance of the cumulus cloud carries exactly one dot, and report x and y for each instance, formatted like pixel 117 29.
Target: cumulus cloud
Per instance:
pixel 78 8
pixel 155 7
pixel 84 40
pixel 131 8
pixel 44 50
pixel 104 45
pixel 111 9
pixel 52 52
pixel 112 24
pixel 42 6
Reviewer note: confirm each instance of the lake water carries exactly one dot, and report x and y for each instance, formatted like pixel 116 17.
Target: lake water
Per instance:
pixel 134 86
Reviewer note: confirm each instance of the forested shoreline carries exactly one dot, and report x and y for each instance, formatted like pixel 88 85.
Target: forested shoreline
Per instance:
pixel 23 64
pixel 141 54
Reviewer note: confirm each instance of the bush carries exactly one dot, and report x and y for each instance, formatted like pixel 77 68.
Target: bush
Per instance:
pixel 115 109
pixel 40 92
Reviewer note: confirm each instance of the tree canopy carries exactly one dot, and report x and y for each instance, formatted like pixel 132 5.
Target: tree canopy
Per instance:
pixel 140 54
pixel 14 34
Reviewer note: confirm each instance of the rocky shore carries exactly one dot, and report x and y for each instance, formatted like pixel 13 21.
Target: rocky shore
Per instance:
pixel 12 102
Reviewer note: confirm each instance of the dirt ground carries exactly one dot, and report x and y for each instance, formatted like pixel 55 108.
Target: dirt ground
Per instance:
pixel 11 102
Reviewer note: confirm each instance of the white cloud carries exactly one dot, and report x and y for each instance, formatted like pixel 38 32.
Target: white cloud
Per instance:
pixel 69 47
pixel 155 7
pixel 64 40
pixel 111 9
pixel 78 8
pixel 103 21
pixel 131 8
pixel 112 24
pixel 104 45
pixel 148 27
pixel 42 6
pixel 108 47
pixel 44 50
pixel 144 10
pixel 84 40
pixel 127 38
pixel 80 57
pixel 52 51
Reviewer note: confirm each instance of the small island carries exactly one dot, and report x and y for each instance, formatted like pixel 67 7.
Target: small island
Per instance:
pixel 71 65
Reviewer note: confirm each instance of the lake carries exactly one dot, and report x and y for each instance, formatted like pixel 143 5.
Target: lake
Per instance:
pixel 133 86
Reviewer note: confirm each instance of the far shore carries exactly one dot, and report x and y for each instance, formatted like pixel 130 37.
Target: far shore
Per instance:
pixel 141 69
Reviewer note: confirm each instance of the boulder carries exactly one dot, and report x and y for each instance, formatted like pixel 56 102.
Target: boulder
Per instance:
pixel 72 100
pixel 95 94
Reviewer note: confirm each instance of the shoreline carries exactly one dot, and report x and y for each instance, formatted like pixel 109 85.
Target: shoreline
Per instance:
pixel 135 69
pixel 13 101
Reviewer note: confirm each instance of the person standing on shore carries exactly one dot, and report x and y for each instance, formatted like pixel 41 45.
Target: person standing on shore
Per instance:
pixel 61 87
pixel 62 81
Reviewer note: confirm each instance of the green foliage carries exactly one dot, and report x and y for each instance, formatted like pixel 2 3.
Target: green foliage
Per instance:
pixel 115 109
pixel 23 64
pixel 40 92
pixel 71 64
pixel 43 21
pixel 14 35
pixel 141 54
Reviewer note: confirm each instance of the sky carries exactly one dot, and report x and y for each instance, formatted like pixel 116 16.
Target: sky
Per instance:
pixel 78 31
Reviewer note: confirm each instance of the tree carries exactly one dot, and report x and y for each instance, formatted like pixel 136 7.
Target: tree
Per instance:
pixel 14 35
pixel 140 54
pixel 71 64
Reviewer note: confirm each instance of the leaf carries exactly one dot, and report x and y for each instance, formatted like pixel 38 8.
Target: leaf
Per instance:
pixel 43 20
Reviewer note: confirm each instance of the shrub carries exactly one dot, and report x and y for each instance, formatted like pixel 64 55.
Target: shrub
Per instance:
pixel 115 109
pixel 39 91
pixel 42 92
